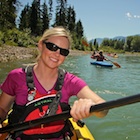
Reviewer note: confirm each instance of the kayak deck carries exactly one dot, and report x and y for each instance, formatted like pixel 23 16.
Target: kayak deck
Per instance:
pixel 102 63
pixel 81 133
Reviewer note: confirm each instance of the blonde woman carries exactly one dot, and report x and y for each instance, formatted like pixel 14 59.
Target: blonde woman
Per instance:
pixel 54 47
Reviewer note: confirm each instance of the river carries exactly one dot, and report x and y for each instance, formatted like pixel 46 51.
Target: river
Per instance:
pixel 122 123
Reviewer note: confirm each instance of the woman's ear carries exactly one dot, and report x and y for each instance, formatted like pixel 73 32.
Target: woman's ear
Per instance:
pixel 40 45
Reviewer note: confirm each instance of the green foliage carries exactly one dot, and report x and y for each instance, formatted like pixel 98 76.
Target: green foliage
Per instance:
pixel 35 19
pixel 8 14
pixel 71 18
pixel 15 37
pixel 135 43
pixel 61 13
pixel 132 43
pixel 79 30
pixel 128 43
pixel 110 49
pixel 45 17
pixel 24 18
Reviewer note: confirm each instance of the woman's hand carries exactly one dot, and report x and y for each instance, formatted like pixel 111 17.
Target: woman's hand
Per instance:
pixel 81 108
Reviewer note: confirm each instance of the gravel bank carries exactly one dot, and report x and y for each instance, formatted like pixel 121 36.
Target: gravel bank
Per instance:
pixel 11 53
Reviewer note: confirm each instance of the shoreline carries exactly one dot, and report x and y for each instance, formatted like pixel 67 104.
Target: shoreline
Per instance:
pixel 11 53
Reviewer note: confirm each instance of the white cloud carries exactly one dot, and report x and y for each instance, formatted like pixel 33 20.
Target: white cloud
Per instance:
pixel 130 16
pixel 136 16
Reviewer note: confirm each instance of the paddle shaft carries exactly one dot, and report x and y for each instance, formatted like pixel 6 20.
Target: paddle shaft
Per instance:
pixel 116 103
pixel 65 115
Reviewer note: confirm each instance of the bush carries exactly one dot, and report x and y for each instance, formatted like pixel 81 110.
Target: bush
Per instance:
pixel 18 38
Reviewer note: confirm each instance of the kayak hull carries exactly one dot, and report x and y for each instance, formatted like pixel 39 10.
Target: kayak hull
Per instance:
pixel 101 63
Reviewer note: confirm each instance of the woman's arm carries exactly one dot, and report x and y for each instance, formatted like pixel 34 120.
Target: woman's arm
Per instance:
pixel 81 107
pixel 5 104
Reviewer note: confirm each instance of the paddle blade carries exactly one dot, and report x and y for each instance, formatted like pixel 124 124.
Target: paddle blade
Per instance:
pixel 116 64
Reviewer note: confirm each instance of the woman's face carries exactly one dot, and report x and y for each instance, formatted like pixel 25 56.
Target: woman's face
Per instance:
pixel 50 58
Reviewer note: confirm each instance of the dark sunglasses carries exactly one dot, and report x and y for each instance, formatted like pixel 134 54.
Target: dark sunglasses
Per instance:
pixel 53 47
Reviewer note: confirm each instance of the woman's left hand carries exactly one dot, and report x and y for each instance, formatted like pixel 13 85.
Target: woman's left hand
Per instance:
pixel 81 108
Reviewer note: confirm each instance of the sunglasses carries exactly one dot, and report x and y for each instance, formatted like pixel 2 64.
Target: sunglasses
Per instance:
pixel 54 48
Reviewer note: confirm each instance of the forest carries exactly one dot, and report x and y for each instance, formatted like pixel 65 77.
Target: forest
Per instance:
pixel 34 19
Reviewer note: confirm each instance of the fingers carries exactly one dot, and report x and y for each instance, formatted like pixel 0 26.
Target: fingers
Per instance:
pixel 81 108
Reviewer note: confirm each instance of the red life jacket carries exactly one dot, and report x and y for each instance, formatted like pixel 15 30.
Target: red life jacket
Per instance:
pixel 39 108
pixel 43 105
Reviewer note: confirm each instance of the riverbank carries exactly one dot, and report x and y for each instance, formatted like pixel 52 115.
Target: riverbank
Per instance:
pixel 11 53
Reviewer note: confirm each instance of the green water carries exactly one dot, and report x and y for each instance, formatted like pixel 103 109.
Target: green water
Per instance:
pixel 121 123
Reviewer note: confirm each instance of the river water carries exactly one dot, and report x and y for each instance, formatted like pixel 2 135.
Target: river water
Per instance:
pixel 122 123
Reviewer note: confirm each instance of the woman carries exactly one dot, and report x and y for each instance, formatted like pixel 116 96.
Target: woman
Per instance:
pixel 54 47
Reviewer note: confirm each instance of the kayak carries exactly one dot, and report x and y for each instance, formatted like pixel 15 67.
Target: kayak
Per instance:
pixel 80 133
pixel 113 55
pixel 102 63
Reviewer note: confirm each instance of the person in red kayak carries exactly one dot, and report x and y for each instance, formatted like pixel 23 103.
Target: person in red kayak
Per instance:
pixel 43 89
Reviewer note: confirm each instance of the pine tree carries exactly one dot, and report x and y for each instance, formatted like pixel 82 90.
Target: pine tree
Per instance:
pixel 50 9
pixel 25 18
pixel 45 17
pixel 79 29
pixel 35 18
pixel 61 12
pixel 8 14
pixel 71 18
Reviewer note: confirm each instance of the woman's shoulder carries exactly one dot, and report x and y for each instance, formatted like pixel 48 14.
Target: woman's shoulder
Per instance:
pixel 70 77
pixel 16 72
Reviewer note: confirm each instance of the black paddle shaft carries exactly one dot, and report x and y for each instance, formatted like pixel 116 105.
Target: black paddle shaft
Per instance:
pixel 65 115
pixel 116 103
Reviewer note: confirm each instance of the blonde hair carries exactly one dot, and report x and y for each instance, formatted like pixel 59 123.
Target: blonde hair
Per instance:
pixel 57 31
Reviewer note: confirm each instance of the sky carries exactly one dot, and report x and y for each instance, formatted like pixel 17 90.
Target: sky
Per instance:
pixel 105 18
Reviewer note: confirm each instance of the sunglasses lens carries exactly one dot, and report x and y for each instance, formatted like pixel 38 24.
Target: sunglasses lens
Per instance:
pixel 64 52
pixel 53 47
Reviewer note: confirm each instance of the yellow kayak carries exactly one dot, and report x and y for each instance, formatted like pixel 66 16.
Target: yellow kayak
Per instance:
pixel 80 133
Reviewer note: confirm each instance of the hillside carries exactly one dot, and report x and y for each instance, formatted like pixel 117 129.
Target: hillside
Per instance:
pixel 99 40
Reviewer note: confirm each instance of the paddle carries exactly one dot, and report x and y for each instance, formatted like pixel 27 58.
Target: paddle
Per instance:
pixel 65 115
pixel 115 63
